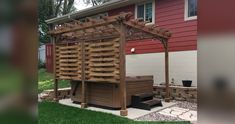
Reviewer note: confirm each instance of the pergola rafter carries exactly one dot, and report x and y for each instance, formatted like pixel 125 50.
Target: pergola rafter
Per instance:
pixel 107 23
pixel 111 31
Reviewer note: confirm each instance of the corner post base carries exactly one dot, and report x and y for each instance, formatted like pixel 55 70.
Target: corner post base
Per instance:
pixel 83 105
pixel 123 112
pixel 167 99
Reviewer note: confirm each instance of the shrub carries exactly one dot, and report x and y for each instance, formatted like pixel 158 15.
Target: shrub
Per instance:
pixel 41 64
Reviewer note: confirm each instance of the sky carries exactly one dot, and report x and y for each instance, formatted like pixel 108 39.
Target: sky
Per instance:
pixel 79 4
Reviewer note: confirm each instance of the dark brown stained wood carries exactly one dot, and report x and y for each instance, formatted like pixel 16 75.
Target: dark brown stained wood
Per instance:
pixel 68 61
pixel 108 94
pixel 56 90
pixel 122 56
pixel 75 70
pixel 105 28
pixel 167 99
pixel 103 61
pixel 94 51
pixel 83 74
pixel 95 38
pixel 69 73
pixel 103 64
pixel 103 44
pixel 103 69
pixel 103 80
pixel 87 25
pixel 68 56
pixel 102 49
pixel 103 55
pixel 103 74
pixel 69 52
pixel 156 32
pixel 54 70
pixel 68 47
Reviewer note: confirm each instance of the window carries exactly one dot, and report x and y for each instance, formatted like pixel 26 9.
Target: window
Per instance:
pixel 145 11
pixel 140 11
pixel 190 9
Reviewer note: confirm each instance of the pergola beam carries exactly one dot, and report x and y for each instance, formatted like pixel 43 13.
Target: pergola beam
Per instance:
pixel 160 33
pixel 91 24
pixel 88 39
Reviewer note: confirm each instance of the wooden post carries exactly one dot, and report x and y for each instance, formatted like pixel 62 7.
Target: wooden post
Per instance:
pixel 83 101
pixel 122 54
pixel 167 97
pixel 56 90
pixel 54 71
pixel 53 39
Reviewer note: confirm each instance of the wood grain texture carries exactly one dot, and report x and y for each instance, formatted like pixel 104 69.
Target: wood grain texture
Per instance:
pixel 68 62
pixel 108 95
pixel 103 60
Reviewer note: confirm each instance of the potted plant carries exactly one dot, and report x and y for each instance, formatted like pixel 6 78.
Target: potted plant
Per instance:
pixel 187 83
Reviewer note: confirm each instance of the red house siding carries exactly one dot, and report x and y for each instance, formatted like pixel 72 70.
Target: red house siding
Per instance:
pixel 49 57
pixel 168 14
pixel 130 8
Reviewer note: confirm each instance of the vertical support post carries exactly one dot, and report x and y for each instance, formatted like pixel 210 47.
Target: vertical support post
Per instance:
pixel 83 101
pixel 167 97
pixel 54 71
pixel 56 99
pixel 53 39
pixel 122 54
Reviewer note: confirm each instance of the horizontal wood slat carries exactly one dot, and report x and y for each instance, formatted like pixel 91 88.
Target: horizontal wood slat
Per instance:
pixel 104 55
pixel 69 47
pixel 69 56
pixel 68 62
pixel 101 61
pixel 103 58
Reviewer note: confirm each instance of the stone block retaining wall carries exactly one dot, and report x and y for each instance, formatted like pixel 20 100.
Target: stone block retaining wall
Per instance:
pixel 63 93
pixel 179 93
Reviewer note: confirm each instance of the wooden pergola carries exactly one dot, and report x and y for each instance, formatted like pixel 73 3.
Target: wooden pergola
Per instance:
pixel 92 33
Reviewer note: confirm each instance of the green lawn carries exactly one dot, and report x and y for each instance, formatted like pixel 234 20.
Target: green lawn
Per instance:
pixel 45 81
pixel 54 113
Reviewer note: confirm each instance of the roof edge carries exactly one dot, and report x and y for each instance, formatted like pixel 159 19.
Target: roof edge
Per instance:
pixel 91 11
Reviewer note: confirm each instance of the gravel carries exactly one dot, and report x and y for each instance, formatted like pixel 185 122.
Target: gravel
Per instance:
pixel 187 105
pixel 155 116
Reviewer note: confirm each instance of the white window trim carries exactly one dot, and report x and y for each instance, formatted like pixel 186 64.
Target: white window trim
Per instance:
pixel 186 18
pixel 153 10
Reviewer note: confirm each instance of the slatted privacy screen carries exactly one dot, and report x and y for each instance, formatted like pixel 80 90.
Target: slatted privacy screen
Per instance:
pixel 68 62
pixel 101 61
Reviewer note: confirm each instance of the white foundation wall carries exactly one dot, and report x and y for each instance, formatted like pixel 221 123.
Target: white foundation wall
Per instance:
pixel 182 66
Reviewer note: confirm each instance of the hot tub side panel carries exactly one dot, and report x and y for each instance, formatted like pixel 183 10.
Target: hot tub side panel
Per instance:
pixel 108 95
pixel 98 94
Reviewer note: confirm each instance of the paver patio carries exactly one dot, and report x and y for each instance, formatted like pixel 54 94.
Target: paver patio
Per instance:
pixel 133 113
pixel 173 111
